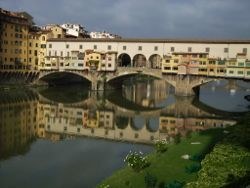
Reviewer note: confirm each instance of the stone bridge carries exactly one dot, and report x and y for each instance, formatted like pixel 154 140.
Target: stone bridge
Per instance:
pixel 185 85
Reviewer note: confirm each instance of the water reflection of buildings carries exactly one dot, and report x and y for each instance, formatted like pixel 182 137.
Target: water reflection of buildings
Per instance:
pixel 117 124
pixel 173 126
pixel 18 125
pixel 146 93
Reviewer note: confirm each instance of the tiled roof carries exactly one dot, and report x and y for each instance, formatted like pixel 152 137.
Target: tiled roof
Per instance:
pixel 148 40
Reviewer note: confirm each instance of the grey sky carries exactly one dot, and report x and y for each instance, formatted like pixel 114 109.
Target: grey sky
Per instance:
pixel 145 18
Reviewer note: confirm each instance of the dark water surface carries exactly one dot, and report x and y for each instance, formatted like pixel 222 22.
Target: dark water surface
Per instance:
pixel 68 136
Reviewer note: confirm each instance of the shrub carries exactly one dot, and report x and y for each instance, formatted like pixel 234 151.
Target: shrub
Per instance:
pixel 161 146
pixel 136 161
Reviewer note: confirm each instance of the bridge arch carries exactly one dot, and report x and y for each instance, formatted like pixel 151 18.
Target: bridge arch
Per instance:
pixel 54 77
pixel 124 60
pixel 154 61
pixel 139 60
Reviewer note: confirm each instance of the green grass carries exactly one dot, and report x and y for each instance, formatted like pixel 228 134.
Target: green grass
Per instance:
pixel 168 166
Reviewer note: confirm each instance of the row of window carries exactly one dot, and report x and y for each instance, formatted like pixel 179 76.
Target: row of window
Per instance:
pixel 19 60
pixel 17 27
pixel 17 35
pixel 172 49
pixel 33 37
pixel 36 44
pixel 20 51
pixel 238 72
pixel 20 43
pixel 16 51
pixel 16 43
pixel 239 64
pixel 14 59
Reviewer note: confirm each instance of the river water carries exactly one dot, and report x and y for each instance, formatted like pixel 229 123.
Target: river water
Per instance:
pixel 67 136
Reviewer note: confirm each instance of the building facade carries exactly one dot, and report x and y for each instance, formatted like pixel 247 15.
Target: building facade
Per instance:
pixel 14 30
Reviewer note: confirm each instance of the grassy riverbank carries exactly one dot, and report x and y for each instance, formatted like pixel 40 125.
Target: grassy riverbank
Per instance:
pixel 167 167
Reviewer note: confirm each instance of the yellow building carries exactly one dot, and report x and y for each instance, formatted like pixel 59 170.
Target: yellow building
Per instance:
pixel 247 69
pixel 192 61
pixel 34 47
pixel 14 30
pixel 42 50
pixel 212 67
pixel 92 59
pixel 221 67
pixel 202 58
pixel 56 31
pixel 169 64
pixel 236 66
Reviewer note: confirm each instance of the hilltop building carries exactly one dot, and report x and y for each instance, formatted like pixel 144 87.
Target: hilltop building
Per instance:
pixel 75 30
pixel 103 34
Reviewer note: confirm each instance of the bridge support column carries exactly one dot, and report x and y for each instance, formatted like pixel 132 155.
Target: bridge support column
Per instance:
pixel 97 85
pixel 184 87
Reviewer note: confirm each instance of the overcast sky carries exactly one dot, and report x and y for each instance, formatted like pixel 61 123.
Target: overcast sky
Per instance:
pixel 145 18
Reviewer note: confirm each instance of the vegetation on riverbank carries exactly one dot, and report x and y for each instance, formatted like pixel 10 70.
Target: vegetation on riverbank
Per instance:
pixel 228 165
pixel 169 169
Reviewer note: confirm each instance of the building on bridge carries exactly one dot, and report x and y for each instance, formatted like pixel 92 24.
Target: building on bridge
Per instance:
pixel 195 57
pixel 100 61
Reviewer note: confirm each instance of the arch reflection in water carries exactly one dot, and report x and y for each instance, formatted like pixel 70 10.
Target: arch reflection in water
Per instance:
pixel 104 119
pixel 152 124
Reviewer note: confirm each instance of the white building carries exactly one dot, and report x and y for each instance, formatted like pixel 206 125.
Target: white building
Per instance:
pixel 74 30
pixel 103 34
pixel 149 47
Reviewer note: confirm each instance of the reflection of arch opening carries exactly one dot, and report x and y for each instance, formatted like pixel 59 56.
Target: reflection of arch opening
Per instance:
pixel 124 60
pixel 121 122
pixel 59 94
pixel 139 60
pixel 137 123
pixel 155 61
pixel 152 124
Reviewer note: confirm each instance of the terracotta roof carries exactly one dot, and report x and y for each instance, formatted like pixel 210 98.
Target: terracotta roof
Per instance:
pixel 148 40
pixel 12 17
